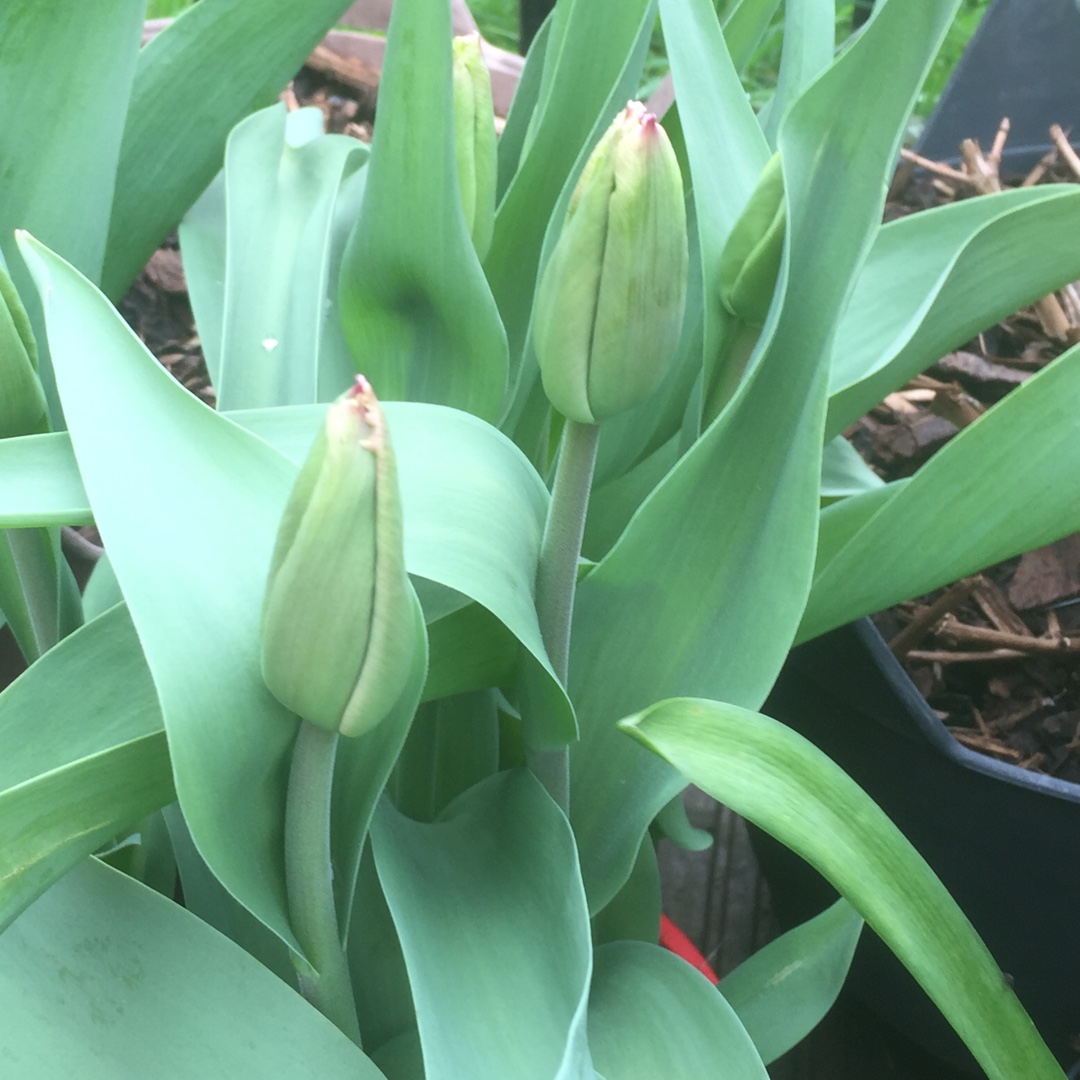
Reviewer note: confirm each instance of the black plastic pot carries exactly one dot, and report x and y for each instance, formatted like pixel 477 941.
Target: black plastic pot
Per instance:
pixel 1020 63
pixel 1005 841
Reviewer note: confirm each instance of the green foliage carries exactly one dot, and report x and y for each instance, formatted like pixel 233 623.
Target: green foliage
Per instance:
pixel 485 889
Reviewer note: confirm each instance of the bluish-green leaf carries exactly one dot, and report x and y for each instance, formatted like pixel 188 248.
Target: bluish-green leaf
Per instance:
pixel 279 326
pixel 416 308
pixel 172 504
pixel 1006 484
pixel 82 756
pixel 773 777
pixel 843 471
pixel 103 978
pixel 219 61
pixel 783 990
pixel 495 883
pixel 652 1015
pixel 934 279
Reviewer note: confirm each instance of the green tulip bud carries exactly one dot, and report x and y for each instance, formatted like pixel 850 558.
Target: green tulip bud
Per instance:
pixel 750 261
pixel 610 302
pixel 474 139
pixel 338 627
pixel 22 401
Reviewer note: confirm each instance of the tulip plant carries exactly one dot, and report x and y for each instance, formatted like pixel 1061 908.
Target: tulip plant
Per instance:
pixel 525 476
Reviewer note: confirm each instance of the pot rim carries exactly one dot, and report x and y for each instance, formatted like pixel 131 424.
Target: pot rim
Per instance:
pixel 935 732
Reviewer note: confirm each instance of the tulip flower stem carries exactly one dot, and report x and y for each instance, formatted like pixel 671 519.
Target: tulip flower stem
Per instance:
pixel 309 877
pixel 556 579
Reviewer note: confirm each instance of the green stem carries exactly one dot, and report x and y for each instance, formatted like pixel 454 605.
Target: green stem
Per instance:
pixel 309 877
pixel 556 580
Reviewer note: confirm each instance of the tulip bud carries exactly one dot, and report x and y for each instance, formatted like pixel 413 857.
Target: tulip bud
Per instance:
pixel 22 401
pixel 750 261
pixel 610 303
pixel 338 626
pixel 474 139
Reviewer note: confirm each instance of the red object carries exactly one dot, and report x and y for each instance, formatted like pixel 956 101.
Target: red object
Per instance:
pixel 674 940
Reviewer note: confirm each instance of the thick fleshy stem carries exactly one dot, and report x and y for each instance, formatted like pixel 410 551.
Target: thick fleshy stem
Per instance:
pixel 556 580
pixel 309 877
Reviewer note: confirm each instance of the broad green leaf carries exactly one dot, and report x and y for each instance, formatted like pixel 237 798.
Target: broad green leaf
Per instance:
pixel 651 1015
pixel 711 610
pixel 934 279
pixel 773 777
pixel 1004 485
pixel 841 520
pixel 61 136
pixel 843 471
pixel 744 27
pixel 809 30
pixel 495 882
pixel 283 180
pixel 526 94
pixel 634 912
pixel 33 575
pixel 587 79
pixel 416 308
pixel 103 978
pixel 782 992
pixel 40 482
pixel 453 744
pixel 82 756
pixel 674 823
pixel 219 61
pixel 190 544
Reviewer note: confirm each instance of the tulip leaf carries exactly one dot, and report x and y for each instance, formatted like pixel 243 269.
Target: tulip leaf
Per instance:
pixel 651 1014
pixel 934 279
pixel 212 66
pixel 843 471
pixel 170 503
pixel 773 777
pixel 783 990
pixel 504 994
pixel 711 611
pixel 286 186
pixel 417 312
pixel 82 756
pixel 809 33
pixel 957 514
pixel 103 977
pixel 744 26
pixel 526 95
pixel 62 135
pixel 40 482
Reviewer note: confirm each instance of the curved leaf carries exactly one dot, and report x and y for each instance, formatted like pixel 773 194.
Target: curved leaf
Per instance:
pixel 783 990
pixel 211 67
pixel 103 978
pixel 1006 484
pixel 494 882
pixel 150 455
pixel 773 777
pixel 416 309
pixel 934 279
pixel 82 756
pixel 651 1014
pixel 283 182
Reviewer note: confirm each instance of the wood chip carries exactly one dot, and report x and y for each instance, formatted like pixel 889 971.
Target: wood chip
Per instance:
pixel 1047 575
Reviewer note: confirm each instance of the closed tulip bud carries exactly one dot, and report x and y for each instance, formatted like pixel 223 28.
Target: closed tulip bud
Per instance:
pixel 22 401
pixel 474 139
pixel 750 261
pixel 338 628
pixel 610 303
